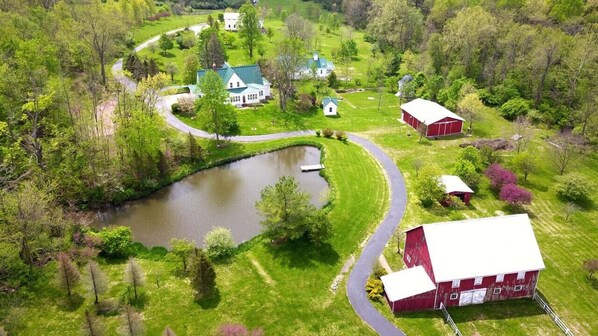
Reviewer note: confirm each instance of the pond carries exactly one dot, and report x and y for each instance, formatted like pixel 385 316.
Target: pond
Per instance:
pixel 220 196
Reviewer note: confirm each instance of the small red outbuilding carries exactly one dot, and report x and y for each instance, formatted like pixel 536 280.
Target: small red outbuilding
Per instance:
pixel 466 262
pixel 439 121
pixel 454 186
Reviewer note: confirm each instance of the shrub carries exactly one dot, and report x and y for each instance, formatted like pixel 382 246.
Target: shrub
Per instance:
pixel 374 289
pixel 467 172
pixel 340 135
pixel 500 176
pixel 187 106
pixel 219 243
pixel 515 195
pixel 304 102
pixel 454 202
pixel 591 266
pixel 514 108
pixel 116 240
pixel 379 271
pixel 175 108
pixel 333 80
pixel 574 187
pixel 428 187
pixel 318 133
pixel 327 132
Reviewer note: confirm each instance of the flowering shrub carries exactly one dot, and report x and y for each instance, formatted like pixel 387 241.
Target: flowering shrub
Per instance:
pixel 515 195
pixel 500 176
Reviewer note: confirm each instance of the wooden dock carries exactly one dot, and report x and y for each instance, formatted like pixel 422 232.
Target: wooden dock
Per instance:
pixel 312 167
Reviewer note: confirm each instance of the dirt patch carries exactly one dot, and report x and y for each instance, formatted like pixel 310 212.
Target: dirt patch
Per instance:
pixel 495 144
pixel 106 114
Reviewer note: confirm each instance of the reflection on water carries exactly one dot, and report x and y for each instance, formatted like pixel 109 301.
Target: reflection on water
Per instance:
pixel 221 196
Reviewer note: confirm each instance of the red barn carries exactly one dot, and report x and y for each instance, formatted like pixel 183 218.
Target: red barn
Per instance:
pixel 454 186
pixel 438 120
pixel 468 262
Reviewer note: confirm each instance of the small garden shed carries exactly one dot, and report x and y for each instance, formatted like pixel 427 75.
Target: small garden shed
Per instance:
pixel 467 262
pixel 438 120
pixel 454 186
pixel 330 106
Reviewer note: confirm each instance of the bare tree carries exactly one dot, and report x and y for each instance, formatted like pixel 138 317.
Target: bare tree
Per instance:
pixel 563 151
pixel 522 133
pixel 570 209
pixel 168 332
pixel 68 274
pixel 92 326
pixel 134 275
pixel 299 28
pixel 422 129
pixel 289 58
pixel 96 280
pixel 131 324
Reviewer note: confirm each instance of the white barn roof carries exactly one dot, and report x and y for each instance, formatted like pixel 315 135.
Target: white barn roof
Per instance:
pixel 407 283
pixel 482 247
pixel 427 111
pixel 454 184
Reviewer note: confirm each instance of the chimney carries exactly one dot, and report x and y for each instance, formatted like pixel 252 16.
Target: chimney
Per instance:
pixel 316 56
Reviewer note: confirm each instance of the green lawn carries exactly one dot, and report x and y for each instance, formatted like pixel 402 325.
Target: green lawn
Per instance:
pixel 152 28
pixel 279 289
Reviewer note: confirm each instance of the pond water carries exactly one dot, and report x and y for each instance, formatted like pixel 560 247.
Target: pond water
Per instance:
pixel 221 196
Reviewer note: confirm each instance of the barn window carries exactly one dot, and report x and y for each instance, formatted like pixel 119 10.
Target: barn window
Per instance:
pixel 456 283
pixel 500 277
pixel 497 291
pixel 454 296
pixel 478 281
pixel 518 288
pixel 520 275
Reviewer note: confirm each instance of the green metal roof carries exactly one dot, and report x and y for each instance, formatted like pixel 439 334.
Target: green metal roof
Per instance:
pixel 327 100
pixel 249 74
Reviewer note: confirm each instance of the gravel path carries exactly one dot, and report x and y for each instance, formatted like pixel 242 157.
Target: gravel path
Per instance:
pixel 375 244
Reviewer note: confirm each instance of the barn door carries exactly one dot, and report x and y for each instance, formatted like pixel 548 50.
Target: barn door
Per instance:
pixel 478 296
pixel 465 298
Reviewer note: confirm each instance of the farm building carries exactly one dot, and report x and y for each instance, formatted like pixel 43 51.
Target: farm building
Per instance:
pixel 244 84
pixel 438 120
pixel 316 66
pixel 454 186
pixel 468 262
pixel 232 21
pixel 330 106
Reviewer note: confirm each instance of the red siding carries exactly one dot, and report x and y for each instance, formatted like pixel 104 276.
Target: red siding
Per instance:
pixel 410 120
pixel 424 301
pixel 416 251
pixel 446 126
pixel 507 288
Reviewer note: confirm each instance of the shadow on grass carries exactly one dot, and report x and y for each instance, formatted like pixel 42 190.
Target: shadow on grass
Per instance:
pixel 496 310
pixel 167 54
pixel 593 282
pixel 427 314
pixel 74 302
pixel 303 254
pixel 211 301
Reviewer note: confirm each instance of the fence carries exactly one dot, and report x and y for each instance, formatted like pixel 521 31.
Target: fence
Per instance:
pixel 552 314
pixel 449 320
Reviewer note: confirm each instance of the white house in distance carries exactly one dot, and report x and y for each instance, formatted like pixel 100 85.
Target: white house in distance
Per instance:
pixel 330 106
pixel 232 21
pixel 244 84
pixel 321 65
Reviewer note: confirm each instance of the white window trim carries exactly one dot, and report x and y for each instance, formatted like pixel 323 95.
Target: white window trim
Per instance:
pixel 518 288
pixel 408 258
pixel 500 277
pixel 454 296
pixel 520 275
pixel 478 281
pixel 456 284
pixel 497 291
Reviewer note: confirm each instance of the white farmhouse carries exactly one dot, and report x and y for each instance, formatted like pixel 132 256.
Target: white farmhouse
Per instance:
pixel 330 106
pixel 232 21
pixel 244 84
pixel 320 65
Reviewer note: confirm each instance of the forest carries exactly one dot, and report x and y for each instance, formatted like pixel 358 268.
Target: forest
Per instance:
pixel 61 154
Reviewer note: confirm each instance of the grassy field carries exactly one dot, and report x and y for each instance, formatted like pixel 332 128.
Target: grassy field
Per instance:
pixel 564 244
pixel 152 28
pixel 278 289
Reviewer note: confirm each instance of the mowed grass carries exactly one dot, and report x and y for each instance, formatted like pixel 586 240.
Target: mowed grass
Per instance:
pixel 285 290
pixel 152 28
pixel 564 244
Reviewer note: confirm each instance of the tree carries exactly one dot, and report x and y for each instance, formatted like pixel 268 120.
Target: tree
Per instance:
pixel 570 209
pixel 116 240
pixel 473 155
pixel 499 176
pixel 422 129
pixel 249 31
pixel 131 324
pixel 149 90
pixel 134 275
pixel 428 187
pixel 219 243
pixel 525 163
pixel 212 53
pixel 574 187
pixel 562 10
pixel 467 172
pixel 270 33
pixel 165 43
pixel 514 108
pixel 92 325
pixel 470 107
pixel 288 213
pixel 395 24
pixel 101 27
pixel 96 280
pixel 515 195
pixel 217 115
pixel 68 274
pixel 203 275
pixel 300 29
pixel 356 12
pixel 591 266
pixel 563 151
pixel 168 332
pixel 190 68
pixel 195 150
pixel 332 80
pixel 288 61
pixel 171 69
pixel 182 248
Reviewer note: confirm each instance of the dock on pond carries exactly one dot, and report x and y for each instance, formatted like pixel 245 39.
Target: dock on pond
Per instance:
pixel 312 168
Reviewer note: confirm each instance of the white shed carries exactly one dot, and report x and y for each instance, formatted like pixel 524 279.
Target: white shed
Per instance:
pixel 330 106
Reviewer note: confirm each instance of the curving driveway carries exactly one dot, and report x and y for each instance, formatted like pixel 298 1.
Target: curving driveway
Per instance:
pixel 374 246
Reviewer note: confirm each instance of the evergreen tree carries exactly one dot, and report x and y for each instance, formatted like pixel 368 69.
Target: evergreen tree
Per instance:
pixel 203 276
pixel 96 280
pixel 163 165
pixel 68 275
pixel 134 275
pixel 212 54
pixel 195 150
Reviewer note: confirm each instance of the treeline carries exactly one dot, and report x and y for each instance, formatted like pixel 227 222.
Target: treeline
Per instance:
pixel 537 55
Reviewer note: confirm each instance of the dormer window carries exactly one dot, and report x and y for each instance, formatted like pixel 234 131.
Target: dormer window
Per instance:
pixel 231 85
pixel 238 84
